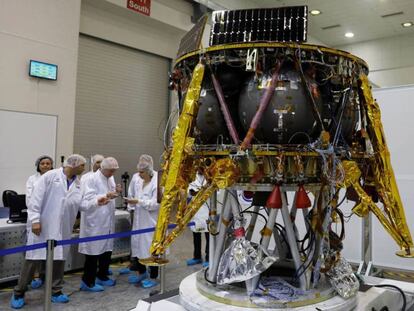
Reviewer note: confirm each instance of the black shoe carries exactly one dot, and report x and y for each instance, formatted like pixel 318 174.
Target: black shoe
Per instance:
pixel 134 265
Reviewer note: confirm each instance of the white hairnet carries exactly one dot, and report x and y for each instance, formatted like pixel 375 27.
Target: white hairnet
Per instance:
pixel 145 163
pixel 109 163
pixel 74 160
pixel 146 158
pixel 96 158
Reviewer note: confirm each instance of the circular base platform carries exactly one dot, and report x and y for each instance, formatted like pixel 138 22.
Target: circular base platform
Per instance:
pixel 196 294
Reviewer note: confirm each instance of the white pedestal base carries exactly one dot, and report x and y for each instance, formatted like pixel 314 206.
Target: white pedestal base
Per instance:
pixel 192 300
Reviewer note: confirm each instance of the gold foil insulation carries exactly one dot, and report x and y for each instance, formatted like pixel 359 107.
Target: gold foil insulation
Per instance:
pixel 181 146
pixel 224 173
pixel 383 175
pixel 352 176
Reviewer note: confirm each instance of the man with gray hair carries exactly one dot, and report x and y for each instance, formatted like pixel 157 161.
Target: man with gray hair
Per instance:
pixel 96 161
pixel 98 218
pixel 51 214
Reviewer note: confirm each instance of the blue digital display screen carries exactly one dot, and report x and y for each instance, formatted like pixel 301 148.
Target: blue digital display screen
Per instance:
pixel 43 70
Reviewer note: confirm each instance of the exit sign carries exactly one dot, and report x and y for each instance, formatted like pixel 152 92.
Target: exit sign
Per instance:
pixel 140 6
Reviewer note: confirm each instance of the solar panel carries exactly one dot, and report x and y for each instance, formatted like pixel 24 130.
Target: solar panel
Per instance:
pixel 285 24
pixel 192 39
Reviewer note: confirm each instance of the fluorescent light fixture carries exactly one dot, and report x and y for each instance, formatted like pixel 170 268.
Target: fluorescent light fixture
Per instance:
pixel 315 12
pixel 349 35
pixel 407 24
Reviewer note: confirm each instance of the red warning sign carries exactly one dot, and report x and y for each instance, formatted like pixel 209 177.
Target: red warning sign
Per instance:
pixel 140 6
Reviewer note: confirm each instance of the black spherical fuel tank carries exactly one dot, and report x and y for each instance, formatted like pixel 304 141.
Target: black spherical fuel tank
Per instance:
pixel 288 117
pixel 210 125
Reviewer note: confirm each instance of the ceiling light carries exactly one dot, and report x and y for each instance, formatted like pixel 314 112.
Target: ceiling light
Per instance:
pixel 407 24
pixel 315 12
pixel 349 34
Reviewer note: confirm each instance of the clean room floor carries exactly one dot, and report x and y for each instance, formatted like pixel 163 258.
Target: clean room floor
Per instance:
pixel 123 296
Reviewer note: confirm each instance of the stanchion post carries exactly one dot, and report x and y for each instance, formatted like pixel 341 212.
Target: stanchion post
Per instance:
pixel 162 277
pixel 49 274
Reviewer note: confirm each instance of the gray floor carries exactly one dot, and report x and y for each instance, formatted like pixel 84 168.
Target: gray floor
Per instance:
pixel 123 296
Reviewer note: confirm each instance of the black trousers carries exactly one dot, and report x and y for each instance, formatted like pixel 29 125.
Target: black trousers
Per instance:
pixel 137 266
pixel 96 266
pixel 197 245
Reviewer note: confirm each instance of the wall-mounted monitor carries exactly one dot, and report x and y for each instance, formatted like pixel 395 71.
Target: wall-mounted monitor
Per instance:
pixel 43 70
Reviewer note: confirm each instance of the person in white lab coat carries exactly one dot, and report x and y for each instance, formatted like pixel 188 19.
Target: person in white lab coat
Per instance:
pixel 96 165
pixel 98 218
pixel 144 158
pixel 143 198
pixel 200 222
pixel 43 164
pixel 51 212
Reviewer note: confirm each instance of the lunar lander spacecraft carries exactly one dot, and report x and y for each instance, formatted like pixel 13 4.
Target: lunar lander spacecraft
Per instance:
pixel 265 113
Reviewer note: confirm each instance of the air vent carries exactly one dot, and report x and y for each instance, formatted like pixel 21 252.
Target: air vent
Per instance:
pixel 331 26
pixel 392 14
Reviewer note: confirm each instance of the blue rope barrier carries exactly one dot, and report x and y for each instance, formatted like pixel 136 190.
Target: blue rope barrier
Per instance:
pixel 21 249
pixel 109 236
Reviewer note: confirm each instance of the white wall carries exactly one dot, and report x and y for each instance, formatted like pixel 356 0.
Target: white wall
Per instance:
pixel 17 155
pixel 159 33
pixel 45 30
pixel 396 115
pixel 48 30
pixel 390 60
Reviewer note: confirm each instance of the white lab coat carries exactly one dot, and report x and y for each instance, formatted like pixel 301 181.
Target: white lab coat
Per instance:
pixel 96 220
pixel 31 181
pixel 131 190
pixel 145 216
pixel 55 206
pixel 201 217
pixel 86 176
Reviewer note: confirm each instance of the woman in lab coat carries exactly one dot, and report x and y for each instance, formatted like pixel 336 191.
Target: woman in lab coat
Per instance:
pixel 133 266
pixel 200 222
pixel 98 218
pixel 51 211
pixel 143 198
pixel 43 164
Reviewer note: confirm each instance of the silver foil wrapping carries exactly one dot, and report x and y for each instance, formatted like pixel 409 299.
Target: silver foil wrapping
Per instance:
pixel 343 279
pixel 241 261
